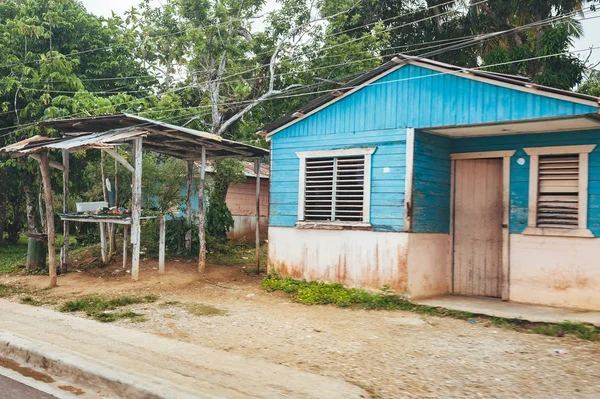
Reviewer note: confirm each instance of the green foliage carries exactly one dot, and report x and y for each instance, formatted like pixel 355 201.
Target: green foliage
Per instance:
pixel 102 309
pixel 218 215
pixel 316 293
pixel 580 330
pixel 591 86
pixel 13 256
pixel 6 291
pixel 313 292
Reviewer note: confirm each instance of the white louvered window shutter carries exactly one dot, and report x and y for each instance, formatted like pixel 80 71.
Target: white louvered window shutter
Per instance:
pixel 558 197
pixel 334 189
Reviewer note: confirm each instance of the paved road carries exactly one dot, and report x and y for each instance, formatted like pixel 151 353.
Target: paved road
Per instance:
pixel 11 389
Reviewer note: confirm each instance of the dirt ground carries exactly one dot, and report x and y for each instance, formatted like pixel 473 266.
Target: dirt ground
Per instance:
pixel 392 354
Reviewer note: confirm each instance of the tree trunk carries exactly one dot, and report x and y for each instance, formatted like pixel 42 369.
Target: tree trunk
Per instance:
pixel 2 217
pixel 41 206
pixel 31 228
pixel 45 169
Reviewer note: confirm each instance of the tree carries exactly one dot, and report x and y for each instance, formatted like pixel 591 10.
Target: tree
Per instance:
pixel 591 85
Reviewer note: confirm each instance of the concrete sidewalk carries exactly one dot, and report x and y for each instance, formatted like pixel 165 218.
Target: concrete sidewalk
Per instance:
pixel 125 363
pixel 513 310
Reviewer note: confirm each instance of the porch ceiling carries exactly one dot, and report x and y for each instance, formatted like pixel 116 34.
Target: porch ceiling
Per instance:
pixel 546 125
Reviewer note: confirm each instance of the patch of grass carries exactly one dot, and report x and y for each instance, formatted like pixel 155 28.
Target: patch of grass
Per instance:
pixel 13 256
pixel 199 309
pixel 194 308
pixel 580 330
pixel 313 293
pixel 236 253
pixel 29 300
pixel 102 309
pixel 7 290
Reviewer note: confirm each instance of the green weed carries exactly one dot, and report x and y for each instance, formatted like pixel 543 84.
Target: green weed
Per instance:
pixel 102 309
pixel 6 290
pixel 313 293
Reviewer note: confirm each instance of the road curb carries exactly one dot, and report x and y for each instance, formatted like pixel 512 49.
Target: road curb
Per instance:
pixel 105 381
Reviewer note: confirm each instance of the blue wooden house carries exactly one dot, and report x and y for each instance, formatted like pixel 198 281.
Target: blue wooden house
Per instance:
pixel 434 179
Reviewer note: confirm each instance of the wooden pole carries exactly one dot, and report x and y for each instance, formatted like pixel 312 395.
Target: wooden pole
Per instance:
pixel 124 246
pixel 45 170
pixel 136 209
pixel 102 227
pixel 257 171
pixel 161 246
pixel 64 254
pixel 188 205
pixel 201 215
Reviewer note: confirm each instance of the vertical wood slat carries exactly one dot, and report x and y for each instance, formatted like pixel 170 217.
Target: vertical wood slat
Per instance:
pixel 452 204
pixel 583 189
pixel 257 172
pixel 202 216
pixel 188 204
pixel 161 245
pixel 408 178
pixel 505 280
pixel 478 232
pixel 301 188
pixel 136 208
pixel 124 246
pixel 64 253
pixel 45 171
pixel 533 190
pixel 102 228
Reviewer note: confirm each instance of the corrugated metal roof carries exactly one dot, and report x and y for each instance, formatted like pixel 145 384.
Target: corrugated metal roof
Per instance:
pixel 401 59
pixel 107 131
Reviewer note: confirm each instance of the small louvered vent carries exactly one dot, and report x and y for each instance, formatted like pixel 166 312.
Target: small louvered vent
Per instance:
pixel 334 189
pixel 558 199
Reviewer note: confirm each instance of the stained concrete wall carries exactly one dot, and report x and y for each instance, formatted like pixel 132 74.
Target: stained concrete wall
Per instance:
pixel 429 266
pixel 555 271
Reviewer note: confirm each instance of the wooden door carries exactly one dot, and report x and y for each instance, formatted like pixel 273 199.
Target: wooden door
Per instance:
pixel 478 227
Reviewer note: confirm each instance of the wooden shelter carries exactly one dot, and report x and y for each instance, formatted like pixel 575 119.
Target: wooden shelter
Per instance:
pixel 106 133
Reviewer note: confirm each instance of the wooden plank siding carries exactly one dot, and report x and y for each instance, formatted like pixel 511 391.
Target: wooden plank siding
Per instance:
pixel 519 174
pixel 379 114
pixel 387 174
pixel 241 198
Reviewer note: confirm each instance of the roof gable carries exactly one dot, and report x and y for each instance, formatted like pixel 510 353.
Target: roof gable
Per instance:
pixel 421 95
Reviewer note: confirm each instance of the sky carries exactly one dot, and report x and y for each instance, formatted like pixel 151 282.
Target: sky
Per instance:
pixel 591 27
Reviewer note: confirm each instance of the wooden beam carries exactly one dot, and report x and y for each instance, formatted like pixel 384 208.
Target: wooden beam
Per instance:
pixel 202 215
pixel 64 253
pixel 257 171
pixel 161 246
pixel 52 164
pixel 136 209
pixel 119 159
pixel 204 144
pixel 45 170
pixel 188 205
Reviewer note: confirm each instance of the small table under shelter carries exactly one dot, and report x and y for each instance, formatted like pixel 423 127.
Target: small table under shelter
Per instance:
pixel 106 133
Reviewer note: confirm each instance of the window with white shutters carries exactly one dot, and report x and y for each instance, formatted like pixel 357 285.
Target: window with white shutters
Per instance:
pixel 558 191
pixel 334 189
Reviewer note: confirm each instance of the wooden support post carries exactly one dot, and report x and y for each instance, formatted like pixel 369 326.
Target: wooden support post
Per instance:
pixel 161 246
pixel 188 205
pixel 45 170
pixel 64 253
pixel 201 215
pixel 124 246
pixel 102 227
pixel 257 171
pixel 136 209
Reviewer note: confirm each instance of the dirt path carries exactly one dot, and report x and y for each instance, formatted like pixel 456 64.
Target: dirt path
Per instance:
pixel 392 354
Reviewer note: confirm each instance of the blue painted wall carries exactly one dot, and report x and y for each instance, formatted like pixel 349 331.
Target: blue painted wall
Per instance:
pixel 431 184
pixel 519 174
pixel 378 115
pixel 387 185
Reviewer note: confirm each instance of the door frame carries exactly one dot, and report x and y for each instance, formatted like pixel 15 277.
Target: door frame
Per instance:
pixel 505 156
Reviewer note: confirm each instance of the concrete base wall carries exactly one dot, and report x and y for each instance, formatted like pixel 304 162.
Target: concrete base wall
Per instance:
pixel 429 267
pixel 415 264
pixel 555 271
